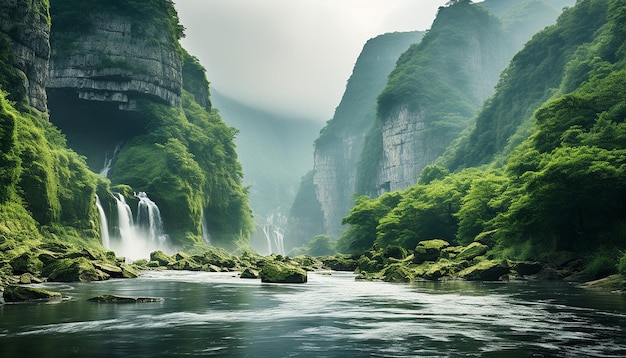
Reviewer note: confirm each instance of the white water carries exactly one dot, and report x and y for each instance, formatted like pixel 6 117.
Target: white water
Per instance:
pixel 108 162
pixel 137 238
pixel 274 233
pixel 104 226
pixel 205 230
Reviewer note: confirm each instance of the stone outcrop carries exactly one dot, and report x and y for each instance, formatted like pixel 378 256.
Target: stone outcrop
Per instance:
pixel 339 147
pixel 111 63
pixel 26 24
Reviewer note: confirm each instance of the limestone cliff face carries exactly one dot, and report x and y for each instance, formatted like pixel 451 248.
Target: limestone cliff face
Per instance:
pixel 113 63
pixel 27 26
pixel 341 141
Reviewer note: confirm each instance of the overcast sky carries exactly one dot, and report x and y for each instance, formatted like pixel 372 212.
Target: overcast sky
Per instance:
pixel 291 56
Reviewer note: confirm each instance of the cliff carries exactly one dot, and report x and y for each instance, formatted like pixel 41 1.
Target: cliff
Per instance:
pixel 341 141
pixel 25 30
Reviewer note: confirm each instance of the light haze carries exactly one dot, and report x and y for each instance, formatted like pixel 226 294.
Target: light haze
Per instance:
pixel 291 56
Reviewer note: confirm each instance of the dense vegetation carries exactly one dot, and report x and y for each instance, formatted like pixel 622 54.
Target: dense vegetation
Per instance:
pixel 188 164
pixel 561 191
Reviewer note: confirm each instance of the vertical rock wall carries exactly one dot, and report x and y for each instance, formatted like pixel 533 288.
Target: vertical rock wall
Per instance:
pixel 27 26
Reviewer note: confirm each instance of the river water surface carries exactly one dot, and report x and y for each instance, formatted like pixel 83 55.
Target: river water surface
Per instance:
pixel 221 315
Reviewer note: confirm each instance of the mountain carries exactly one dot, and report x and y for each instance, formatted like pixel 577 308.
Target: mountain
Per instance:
pixel 78 79
pixel 275 152
pixel 428 99
pixel 540 177
pixel 341 141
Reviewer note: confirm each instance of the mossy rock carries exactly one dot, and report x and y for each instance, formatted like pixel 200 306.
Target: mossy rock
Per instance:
pixel 48 256
pixel 472 251
pixel 488 270
pixel 486 238
pixel 395 252
pixel 161 257
pixel 216 257
pixel 111 270
pixel 28 278
pixel 55 246
pixel 249 273
pixel 366 264
pixel 25 293
pixel 340 263
pixel 27 262
pixel 525 268
pixel 397 273
pixel 278 272
pixel 185 264
pixel 123 299
pixel 71 270
pixel 429 250
pixel 129 271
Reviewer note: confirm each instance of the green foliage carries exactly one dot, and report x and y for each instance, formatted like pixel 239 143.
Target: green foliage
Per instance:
pixel 621 267
pixel 320 245
pixel 188 165
pixel 431 173
pixel 306 217
pixel 147 16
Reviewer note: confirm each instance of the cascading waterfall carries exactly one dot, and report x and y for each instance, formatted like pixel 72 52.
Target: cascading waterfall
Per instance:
pixel 149 218
pixel 274 233
pixel 135 239
pixel 205 230
pixel 104 225
pixel 109 161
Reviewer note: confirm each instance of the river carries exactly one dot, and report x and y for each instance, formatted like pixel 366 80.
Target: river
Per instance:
pixel 221 315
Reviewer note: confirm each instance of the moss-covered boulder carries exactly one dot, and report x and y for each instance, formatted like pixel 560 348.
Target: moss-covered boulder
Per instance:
pixel 526 268
pixel 27 262
pixel 488 270
pixel 472 251
pixel 369 265
pixel 429 250
pixel 187 263
pixel 280 272
pixel 395 252
pixel 397 273
pixel 109 269
pixel 123 299
pixel 26 293
pixel 217 257
pixel 129 271
pixel 340 263
pixel 249 273
pixel 161 257
pixel 71 270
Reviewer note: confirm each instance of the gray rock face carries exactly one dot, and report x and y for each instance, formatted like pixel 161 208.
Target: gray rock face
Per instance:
pixel 26 25
pixel 339 149
pixel 111 63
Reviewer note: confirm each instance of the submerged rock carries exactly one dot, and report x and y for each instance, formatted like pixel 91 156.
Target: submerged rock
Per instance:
pixel 124 299
pixel 25 293
pixel 278 272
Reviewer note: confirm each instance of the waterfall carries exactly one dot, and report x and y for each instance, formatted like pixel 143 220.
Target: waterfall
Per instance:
pixel 104 226
pixel 124 219
pixel 205 230
pixel 135 239
pixel 109 161
pixel 274 233
pixel 149 218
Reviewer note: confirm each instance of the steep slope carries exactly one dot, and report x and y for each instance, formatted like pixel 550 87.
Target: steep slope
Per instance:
pixel 275 152
pixel 537 72
pixel 127 95
pixel 438 85
pixel 341 141
pixel 559 196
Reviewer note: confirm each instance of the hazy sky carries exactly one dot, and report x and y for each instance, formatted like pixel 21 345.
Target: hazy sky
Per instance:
pixel 291 56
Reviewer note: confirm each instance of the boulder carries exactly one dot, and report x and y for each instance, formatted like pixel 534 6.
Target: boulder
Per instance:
pixel 278 272
pixel 111 270
pixel 397 273
pixel 185 264
pixel 25 293
pixel 129 271
pixel 472 251
pixel 123 299
pixel 525 268
pixel 27 262
pixel 489 270
pixel 28 278
pixel 395 252
pixel 161 257
pixel 70 270
pixel 249 273
pixel 340 263
pixel 428 250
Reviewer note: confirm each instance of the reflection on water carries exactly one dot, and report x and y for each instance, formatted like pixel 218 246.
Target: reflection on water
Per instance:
pixel 218 314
